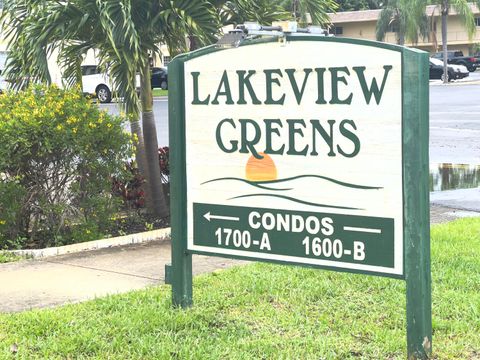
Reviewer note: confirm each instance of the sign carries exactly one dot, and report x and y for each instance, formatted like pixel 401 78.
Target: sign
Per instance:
pixel 312 151
pixel 305 152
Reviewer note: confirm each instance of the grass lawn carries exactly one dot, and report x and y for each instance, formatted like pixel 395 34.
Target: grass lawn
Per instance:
pixel 160 92
pixel 265 311
pixel 8 257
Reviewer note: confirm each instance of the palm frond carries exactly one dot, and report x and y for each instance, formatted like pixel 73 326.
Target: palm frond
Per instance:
pixel 318 11
pixel 407 17
pixel 384 22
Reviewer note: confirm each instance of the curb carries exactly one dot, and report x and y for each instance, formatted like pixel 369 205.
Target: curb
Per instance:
pixel 138 238
pixel 454 83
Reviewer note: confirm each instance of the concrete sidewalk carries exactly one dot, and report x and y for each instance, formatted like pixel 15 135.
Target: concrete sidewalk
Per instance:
pixel 86 275
pixel 78 277
pixel 467 200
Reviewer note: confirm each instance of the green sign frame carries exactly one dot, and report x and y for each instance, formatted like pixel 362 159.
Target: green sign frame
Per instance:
pixel 416 216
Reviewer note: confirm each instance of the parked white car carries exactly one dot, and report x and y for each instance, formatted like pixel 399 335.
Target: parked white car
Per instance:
pixel 454 71
pixel 3 83
pixel 461 70
pixel 96 83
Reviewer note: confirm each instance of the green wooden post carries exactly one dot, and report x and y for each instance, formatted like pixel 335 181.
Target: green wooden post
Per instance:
pixel 181 275
pixel 416 204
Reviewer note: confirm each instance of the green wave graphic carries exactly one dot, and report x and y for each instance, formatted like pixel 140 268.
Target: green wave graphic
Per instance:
pixel 260 185
pixel 295 200
pixel 253 183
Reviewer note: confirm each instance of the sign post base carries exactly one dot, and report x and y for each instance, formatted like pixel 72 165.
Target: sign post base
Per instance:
pixel 181 278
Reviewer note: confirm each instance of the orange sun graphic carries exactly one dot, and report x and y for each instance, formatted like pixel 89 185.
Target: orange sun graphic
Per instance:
pixel 260 169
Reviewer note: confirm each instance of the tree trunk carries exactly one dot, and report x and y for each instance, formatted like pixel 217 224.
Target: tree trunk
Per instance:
pixel 141 159
pixel 401 38
pixel 78 74
pixel 445 6
pixel 151 144
pixel 295 10
pixel 193 42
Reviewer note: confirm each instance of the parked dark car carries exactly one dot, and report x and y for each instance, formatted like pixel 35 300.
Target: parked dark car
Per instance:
pixel 454 71
pixel 160 78
pixel 457 58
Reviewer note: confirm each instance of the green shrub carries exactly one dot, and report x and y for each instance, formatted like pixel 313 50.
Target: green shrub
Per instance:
pixel 58 154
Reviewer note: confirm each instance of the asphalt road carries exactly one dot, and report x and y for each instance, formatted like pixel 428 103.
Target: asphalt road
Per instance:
pixel 454 121
pixel 160 108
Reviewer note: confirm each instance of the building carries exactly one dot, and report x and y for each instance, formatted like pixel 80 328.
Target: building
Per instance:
pixel 362 24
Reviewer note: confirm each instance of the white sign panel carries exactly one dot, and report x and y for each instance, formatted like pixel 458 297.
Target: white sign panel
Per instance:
pixel 294 153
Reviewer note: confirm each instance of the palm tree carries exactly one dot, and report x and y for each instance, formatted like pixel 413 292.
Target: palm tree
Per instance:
pixel 151 23
pixel 406 17
pixel 462 8
pixel 124 33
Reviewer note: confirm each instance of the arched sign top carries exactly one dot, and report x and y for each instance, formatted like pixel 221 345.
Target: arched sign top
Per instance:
pixel 293 38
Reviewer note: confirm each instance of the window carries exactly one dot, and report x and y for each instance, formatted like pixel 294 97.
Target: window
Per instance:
pixel 166 60
pixel 336 30
pixel 90 70
pixel 477 21
pixel 158 71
